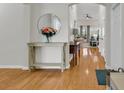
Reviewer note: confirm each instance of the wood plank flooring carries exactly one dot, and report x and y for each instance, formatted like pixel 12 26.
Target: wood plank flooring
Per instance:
pixel 82 76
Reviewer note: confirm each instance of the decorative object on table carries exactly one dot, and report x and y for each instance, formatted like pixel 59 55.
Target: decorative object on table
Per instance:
pixel 48 32
pixel 48 25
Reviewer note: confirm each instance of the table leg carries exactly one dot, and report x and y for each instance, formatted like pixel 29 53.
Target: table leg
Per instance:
pixel 62 59
pixel 31 57
pixel 79 55
pixel 74 54
pixel 73 63
pixel 76 58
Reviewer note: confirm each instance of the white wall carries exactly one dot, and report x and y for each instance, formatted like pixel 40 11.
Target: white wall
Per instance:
pixel 49 54
pixel 108 35
pixel 116 58
pixel 60 10
pixel 14 35
pixel 15 32
pixel 122 33
pixel 114 43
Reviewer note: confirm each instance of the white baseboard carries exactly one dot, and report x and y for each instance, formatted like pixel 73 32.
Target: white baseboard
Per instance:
pixel 10 66
pixel 48 67
pixel 13 67
pixel 51 67
pixel 27 68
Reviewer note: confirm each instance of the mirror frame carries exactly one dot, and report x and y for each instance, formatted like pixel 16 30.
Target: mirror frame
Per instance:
pixel 39 30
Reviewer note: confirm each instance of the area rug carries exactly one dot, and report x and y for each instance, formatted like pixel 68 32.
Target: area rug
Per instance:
pixel 101 76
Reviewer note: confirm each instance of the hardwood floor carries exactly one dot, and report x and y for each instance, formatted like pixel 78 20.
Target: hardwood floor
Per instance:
pixel 82 76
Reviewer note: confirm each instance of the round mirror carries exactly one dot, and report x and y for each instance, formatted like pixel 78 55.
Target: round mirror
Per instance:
pixel 48 25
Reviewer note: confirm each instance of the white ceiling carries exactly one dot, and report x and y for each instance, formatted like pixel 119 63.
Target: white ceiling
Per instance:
pixel 92 10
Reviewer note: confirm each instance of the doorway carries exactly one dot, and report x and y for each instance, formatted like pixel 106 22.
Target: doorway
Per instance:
pixel 87 22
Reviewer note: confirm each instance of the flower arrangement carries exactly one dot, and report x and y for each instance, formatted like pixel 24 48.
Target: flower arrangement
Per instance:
pixel 48 32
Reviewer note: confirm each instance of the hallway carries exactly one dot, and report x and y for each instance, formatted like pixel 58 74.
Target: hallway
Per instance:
pixel 85 72
pixel 82 76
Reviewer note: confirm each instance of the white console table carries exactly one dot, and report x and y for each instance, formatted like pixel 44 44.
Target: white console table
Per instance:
pixel 33 45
